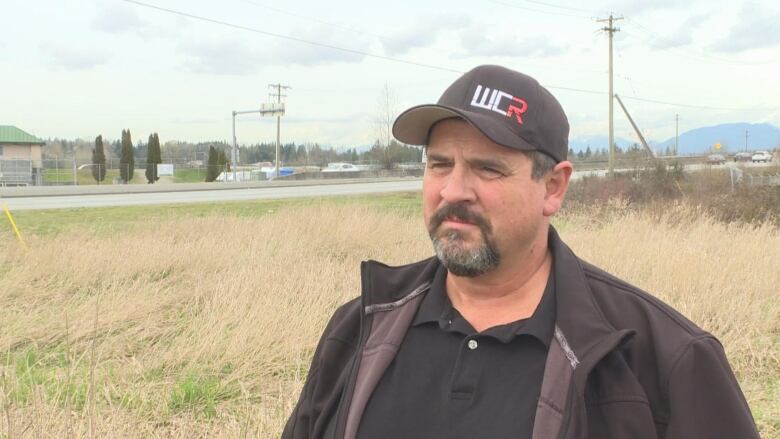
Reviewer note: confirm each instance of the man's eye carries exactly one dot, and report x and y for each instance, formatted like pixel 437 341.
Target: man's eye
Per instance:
pixel 491 171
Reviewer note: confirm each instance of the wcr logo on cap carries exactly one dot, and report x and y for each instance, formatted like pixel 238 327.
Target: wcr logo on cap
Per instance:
pixel 480 100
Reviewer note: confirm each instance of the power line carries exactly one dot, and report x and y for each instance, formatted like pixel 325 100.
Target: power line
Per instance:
pixel 657 101
pixel 699 107
pixel 287 37
pixel 408 62
pixel 700 56
pixel 316 20
pixel 559 6
pixel 580 90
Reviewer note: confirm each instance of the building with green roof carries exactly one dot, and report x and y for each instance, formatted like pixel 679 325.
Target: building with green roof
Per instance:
pixel 20 157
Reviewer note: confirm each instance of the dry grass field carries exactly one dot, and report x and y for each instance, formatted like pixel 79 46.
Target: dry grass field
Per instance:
pixel 203 325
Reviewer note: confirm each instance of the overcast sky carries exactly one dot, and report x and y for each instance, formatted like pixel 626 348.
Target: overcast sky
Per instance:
pixel 86 67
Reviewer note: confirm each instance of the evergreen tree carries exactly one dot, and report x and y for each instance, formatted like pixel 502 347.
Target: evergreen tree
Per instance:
pixel 212 169
pixel 98 160
pixel 127 159
pixel 223 163
pixel 153 158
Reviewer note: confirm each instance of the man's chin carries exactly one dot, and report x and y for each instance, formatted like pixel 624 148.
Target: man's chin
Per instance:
pixel 458 241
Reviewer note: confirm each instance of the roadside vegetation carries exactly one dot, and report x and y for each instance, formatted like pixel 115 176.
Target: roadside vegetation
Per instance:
pixel 710 190
pixel 200 320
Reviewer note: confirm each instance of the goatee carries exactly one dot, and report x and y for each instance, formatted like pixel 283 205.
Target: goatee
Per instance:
pixel 450 245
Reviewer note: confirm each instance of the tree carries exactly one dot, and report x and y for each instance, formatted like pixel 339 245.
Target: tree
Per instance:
pixel 384 123
pixel 223 163
pixel 98 160
pixel 212 168
pixel 153 157
pixel 126 158
pixel 218 163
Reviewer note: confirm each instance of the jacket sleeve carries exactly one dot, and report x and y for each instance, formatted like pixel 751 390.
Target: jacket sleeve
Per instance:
pixel 322 390
pixel 299 424
pixel 705 400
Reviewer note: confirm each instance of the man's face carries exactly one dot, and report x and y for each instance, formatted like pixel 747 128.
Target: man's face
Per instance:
pixel 480 204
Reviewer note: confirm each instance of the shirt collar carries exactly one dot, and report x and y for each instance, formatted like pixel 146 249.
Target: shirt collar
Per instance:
pixel 435 304
pixel 437 308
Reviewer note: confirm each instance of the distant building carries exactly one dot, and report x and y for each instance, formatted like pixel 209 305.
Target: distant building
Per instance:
pixel 20 157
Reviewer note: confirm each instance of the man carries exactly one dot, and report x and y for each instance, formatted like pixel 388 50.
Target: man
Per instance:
pixel 506 333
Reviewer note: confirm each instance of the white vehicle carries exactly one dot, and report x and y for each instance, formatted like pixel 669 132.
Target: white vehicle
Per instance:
pixel 762 156
pixel 716 159
pixel 341 167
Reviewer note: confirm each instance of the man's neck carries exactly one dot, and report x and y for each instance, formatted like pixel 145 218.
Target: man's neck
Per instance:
pixel 504 295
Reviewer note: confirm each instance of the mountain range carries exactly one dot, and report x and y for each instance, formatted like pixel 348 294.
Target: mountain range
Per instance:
pixel 731 137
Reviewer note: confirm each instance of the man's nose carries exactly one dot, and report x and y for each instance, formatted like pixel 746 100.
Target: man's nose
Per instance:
pixel 458 187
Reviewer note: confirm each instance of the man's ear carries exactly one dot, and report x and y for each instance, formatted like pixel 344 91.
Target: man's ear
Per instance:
pixel 556 185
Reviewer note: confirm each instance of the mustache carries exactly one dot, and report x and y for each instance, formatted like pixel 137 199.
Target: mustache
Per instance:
pixel 462 213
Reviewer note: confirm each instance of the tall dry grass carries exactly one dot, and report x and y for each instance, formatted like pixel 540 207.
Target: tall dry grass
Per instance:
pixel 205 327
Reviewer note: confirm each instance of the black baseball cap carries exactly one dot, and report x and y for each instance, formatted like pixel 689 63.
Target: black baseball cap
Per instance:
pixel 510 108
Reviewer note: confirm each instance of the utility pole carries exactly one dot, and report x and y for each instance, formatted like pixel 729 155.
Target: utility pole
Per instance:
pixel 611 30
pixel 279 96
pixel 265 110
pixel 676 132
pixel 235 149
pixel 746 137
pixel 636 128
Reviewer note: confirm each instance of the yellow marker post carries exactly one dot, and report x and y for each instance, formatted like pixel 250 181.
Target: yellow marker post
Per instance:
pixel 13 224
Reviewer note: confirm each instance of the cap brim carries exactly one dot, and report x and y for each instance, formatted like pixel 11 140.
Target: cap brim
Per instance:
pixel 414 125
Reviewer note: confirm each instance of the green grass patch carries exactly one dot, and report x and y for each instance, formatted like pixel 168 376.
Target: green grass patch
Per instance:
pixel 200 394
pixel 85 178
pixel 48 373
pixel 106 220
pixel 189 175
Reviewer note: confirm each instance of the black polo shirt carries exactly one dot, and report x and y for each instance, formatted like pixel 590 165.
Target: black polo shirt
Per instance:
pixel 449 381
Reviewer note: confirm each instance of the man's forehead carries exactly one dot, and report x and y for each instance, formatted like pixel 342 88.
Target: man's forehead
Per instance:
pixel 456 136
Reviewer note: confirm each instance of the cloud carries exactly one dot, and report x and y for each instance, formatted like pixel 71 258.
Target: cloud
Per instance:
pixel 476 43
pixel 227 57
pixel 237 57
pixel 636 7
pixel 407 40
pixel 73 57
pixel 681 37
pixel 293 52
pixel 755 29
pixel 117 18
pixel 422 33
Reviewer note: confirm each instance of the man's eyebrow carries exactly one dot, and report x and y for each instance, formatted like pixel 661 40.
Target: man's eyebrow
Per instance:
pixel 438 158
pixel 489 163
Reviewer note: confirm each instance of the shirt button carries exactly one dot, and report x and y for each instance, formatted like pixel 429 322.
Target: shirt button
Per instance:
pixel 473 344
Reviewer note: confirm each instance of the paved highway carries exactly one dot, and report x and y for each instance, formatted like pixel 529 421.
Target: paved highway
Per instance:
pixel 204 196
pixel 64 197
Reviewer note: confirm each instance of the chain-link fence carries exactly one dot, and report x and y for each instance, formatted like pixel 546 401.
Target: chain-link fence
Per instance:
pixel 18 172
pixel 72 172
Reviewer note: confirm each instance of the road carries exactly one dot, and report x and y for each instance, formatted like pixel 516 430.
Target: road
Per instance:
pixel 203 196
pixel 64 197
